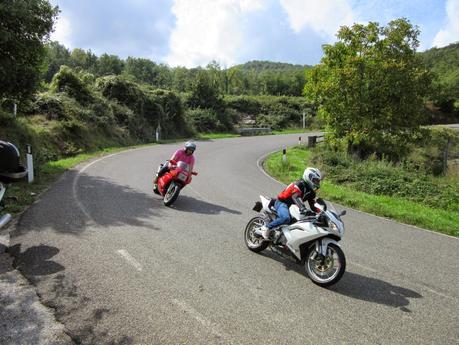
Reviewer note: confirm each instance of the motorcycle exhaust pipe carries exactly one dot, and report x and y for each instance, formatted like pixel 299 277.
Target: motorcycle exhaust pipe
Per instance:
pixel 5 220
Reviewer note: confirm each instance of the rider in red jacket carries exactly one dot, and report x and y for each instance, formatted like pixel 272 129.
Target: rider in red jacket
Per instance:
pixel 296 193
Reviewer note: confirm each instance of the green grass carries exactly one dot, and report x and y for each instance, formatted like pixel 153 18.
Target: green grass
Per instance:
pixel 291 131
pixel 208 136
pixel 399 209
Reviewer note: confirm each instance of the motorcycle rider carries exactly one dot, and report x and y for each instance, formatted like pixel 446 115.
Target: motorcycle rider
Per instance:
pixel 185 155
pixel 296 192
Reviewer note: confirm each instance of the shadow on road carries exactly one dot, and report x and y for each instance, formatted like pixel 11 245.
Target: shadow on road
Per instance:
pixel 35 261
pixel 93 200
pixel 375 290
pixel 359 287
pixel 189 204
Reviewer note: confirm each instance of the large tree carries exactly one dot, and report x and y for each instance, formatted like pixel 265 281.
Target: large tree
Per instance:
pixel 370 87
pixel 24 27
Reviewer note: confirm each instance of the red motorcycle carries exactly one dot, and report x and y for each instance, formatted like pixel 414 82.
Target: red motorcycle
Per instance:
pixel 170 184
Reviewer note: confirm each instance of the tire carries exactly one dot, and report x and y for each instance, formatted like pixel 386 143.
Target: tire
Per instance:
pixel 172 193
pixel 332 267
pixel 255 244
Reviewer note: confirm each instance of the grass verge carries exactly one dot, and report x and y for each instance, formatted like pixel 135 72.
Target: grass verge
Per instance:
pixel 399 209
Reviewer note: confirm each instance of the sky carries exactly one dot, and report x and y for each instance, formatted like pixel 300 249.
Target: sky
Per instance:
pixel 192 33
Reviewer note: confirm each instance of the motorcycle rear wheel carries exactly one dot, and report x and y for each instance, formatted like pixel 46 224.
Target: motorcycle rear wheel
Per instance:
pixel 172 193
pixel 254 243
pixel 327 271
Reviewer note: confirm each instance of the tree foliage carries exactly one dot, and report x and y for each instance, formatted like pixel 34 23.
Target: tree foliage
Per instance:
pixel 24 27
pixel 444 63
pixel 370 87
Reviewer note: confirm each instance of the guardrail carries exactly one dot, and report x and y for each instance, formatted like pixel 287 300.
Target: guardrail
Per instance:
pixel 254 130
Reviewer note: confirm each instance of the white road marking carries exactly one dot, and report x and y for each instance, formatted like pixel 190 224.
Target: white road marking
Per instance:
pixel 439 293
pixel 124 253
pixel 202 320
pixel 77 177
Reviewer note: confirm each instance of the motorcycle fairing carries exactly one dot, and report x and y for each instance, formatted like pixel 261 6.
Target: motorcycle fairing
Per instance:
pixel 295 235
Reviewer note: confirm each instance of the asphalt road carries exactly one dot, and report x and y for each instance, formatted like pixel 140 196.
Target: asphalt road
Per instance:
pixel 119 267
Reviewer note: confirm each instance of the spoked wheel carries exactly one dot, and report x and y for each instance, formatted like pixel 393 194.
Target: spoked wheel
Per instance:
pixel 325 270
pixel 252 241
pixel 171 194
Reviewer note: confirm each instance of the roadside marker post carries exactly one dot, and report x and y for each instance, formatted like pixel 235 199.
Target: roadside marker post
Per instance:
pixel 284 155
pixel 299 141
pixel 29 163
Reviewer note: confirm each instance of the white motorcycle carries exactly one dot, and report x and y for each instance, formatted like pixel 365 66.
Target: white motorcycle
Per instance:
pixel 312 240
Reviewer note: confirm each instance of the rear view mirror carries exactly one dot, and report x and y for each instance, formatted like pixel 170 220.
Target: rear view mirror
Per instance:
pixel 194 173
pixel 343 213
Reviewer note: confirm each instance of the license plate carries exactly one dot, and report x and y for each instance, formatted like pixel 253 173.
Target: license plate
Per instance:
pixel 182 177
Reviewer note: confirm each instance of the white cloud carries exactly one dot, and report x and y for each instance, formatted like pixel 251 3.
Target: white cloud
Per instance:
pixel 322 16
pixel 62 31
pixel 208 30
pixel 450 33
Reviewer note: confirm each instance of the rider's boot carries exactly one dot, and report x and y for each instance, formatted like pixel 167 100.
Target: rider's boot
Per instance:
pixel 265 232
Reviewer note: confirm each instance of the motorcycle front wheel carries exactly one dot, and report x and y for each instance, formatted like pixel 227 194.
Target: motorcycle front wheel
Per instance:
pixel 326 270
pixel 253 242
pixel 171 194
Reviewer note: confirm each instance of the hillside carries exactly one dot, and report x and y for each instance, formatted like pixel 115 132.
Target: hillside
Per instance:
pixel 444 62
pixel 260 66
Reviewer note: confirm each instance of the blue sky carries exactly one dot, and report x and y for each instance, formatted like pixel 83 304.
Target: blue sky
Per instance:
pixel 194 32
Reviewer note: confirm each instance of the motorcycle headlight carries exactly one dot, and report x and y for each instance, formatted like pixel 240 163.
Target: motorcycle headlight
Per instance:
pixel 335 228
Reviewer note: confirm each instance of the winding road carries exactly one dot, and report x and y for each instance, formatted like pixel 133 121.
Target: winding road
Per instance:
pixel 118 267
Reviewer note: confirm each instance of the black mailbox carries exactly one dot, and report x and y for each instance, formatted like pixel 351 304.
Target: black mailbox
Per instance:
pixel 10 167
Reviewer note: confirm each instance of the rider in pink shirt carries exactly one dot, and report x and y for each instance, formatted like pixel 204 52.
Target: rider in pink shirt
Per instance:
pixel 184 155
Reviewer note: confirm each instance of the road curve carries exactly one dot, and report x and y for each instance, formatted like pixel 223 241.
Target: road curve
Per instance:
pixel 119 267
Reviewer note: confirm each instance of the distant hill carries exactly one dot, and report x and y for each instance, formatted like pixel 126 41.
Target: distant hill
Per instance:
pixel 445 63
pixel 262 66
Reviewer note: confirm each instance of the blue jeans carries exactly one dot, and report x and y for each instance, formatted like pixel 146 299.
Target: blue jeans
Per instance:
pixel 283 215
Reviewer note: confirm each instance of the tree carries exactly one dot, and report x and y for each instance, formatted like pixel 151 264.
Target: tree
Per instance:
pixel 24 27
pixel 81 60
pixel 204 93
pixel 143 70
pixel 109 65
pixel 370 87
pixel 56 56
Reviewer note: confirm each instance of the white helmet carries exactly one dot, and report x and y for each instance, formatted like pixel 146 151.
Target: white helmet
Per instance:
pixel 312 177
pixel 189 145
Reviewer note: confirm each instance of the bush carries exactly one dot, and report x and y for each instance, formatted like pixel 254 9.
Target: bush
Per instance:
pixel 67 81
pixel 271 111
pixel 50 105
pixel 203 120
pixel 122 90
pixel 381 177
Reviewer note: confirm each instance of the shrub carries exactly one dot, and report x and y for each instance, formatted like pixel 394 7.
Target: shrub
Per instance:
pixel 382 177
pixel 67 81
pixel 203 120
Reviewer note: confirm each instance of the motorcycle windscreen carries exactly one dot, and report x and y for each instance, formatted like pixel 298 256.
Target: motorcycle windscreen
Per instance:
pixel 182 165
